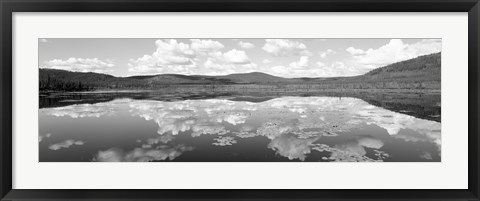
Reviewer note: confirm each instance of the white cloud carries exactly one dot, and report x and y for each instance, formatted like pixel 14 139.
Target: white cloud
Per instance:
pixel 211 57
pixel 181 58
pixel 199 56
pixel 210 63
pixel 206 45
pixel 236 57
pixel 302 63
pixel 302 69
pixel 233 61
pixel 81 65
pixel 281 71
pixel 290 72
pixel 354 51
pixel 335 69
pixel 172 47
pixel 394 51
pixel 327 52
pixel 249 67
pixel 172 57
pixel 283 47
pixel 216 67
pixel 246 45
pixel 266 61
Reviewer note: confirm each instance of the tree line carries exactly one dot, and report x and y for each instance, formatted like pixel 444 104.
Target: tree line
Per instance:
pixel 53 84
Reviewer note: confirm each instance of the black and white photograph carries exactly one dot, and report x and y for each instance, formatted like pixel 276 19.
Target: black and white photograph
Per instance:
pixel 239 99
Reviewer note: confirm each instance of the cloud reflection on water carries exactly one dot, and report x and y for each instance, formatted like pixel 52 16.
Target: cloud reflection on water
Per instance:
pixel 65 144
pixel 85 110
pixel 293 125
pixel 353 150
pixel 160 153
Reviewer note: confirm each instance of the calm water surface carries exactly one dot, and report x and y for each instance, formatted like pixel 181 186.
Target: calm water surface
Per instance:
pixel 233 129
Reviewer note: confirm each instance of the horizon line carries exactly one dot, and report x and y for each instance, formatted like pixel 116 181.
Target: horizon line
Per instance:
pixel 205 75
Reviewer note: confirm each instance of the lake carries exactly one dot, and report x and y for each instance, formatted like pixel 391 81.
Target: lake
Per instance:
pixel 149 127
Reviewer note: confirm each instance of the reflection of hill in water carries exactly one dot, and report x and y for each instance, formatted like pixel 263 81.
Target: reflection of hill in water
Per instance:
pixel 424 106
pixel 420 105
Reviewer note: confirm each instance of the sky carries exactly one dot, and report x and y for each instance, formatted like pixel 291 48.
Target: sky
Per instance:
pixel 287 57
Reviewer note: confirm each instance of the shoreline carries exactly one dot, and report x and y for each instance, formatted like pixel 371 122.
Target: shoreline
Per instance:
pixel 247 90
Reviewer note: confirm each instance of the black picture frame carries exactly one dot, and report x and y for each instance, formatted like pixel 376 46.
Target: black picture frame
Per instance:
pixel 8 7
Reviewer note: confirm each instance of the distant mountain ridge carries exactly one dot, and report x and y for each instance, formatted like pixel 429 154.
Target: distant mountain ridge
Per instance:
pixel 423 70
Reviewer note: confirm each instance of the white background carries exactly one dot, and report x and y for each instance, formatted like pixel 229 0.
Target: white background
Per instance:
pixel 451 173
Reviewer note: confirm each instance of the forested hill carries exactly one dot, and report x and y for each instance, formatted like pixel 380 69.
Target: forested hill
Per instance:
pixel 419 73
pixel 423 72
pixel 62 80
pixel 427 67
